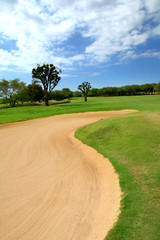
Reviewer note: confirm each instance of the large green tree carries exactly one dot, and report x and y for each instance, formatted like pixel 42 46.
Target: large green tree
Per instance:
pixel 84 88
pixel 35 92
pixel 10 90
pixel 48 75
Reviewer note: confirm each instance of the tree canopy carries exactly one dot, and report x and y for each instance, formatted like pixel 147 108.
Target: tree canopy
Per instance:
pixel 35 92
pixel 48 75
pixel 84 88
pixel 10 90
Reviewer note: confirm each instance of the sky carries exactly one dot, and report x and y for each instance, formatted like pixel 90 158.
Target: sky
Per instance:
pixel 105 42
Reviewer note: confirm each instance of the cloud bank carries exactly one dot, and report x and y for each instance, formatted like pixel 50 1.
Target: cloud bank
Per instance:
pixel 38 31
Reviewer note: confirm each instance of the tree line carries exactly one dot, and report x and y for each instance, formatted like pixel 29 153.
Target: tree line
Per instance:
pixel 15 91
pixel 128 90
pixel 48 75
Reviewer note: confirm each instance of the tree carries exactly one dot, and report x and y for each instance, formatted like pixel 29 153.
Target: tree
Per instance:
pixel 93 92
pixel 57 95
pixel 67 93
pixel 35 92
pixel 84 88
pixel 147 88
pixel 10 90
pixel 48 75
pixel 77 94
pixel 4 86
pixel 23 93
pixel 158 87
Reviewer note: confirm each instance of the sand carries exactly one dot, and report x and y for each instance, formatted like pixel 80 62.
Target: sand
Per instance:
pixel 53 187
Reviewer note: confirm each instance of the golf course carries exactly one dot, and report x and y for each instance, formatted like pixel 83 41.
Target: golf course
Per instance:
pixel 81 170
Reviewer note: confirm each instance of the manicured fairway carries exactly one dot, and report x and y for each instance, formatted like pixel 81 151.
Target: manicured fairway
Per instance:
pixel 132 143
pixel 78 105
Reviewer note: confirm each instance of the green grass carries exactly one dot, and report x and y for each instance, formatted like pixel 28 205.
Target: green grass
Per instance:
pixel 78 105
pixel 132 144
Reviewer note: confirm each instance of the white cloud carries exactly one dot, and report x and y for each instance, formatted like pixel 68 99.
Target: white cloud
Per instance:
pixel 152 5
pixel 77 57
pixel 132 55
pixel 41 29
pixel 8 4
pixel 95 74
pixel 156 30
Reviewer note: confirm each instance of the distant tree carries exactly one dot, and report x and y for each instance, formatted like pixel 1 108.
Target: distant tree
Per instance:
pixel 77 94
pixel 121 91
pixel 129 90
pixel 57 95
pixel 93 92
pixel 48 75
pixel 23 93
pixel 100 92
pixel 158 88
pixel 10 90
pixel 137 89
pixel 35 92
pixel 4 88
pixel 147 88
pixel 155 87
pixel 84 88
pixel 67 93
pixel 111 91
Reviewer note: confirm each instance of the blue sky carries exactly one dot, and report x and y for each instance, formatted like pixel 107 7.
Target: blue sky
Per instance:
pixel 105 42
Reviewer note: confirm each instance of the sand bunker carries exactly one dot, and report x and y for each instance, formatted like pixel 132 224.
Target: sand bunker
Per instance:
pixel 53 187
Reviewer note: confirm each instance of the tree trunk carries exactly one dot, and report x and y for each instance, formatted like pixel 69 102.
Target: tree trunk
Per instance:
pixel 12 101
pixel 85 98
pixel 46 98
pixel 46 102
